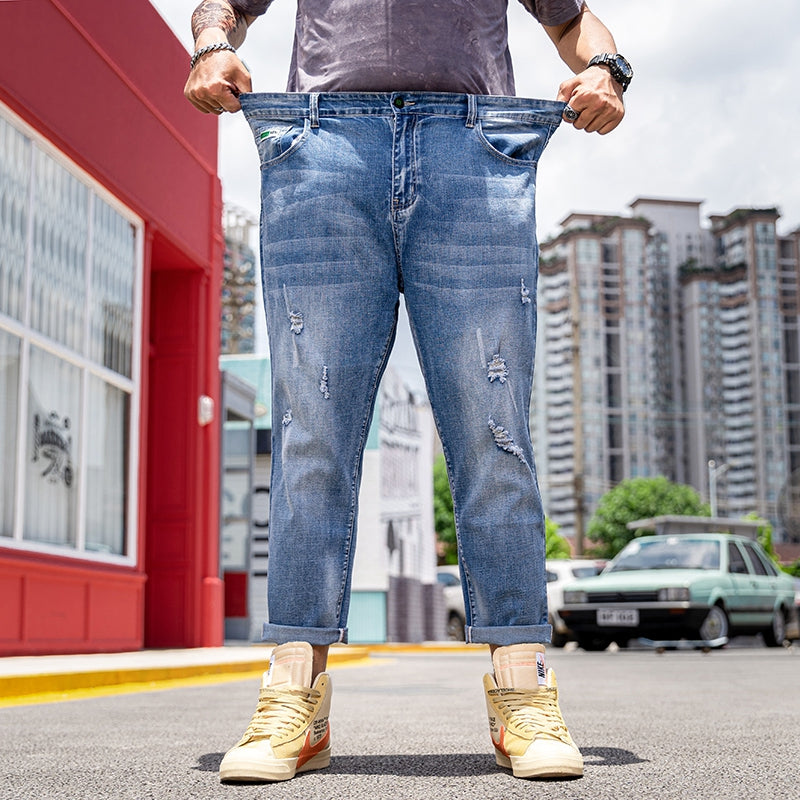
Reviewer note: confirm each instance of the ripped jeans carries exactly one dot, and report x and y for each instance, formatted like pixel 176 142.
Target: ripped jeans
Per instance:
pixel 365 196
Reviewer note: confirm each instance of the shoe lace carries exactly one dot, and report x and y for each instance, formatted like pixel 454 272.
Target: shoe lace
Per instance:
pixel 281 711
pixel 535 712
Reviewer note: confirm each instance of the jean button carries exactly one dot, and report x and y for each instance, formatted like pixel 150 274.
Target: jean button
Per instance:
pixel 399 102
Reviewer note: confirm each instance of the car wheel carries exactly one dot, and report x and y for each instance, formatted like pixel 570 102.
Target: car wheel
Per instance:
pixel 593 644
pixel 455 628
pixel 775 635
pixel 715 625
pixel 557 639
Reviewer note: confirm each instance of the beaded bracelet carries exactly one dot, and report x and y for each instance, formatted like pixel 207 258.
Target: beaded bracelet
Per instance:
pixel 210 48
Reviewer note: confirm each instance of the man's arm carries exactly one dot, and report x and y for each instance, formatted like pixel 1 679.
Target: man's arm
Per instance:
pixel 593 93
pixel 218 77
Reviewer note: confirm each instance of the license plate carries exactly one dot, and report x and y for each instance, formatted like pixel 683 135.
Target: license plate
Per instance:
pixel 624 617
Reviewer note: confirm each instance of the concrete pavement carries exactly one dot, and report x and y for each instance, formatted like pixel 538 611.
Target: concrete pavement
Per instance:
pixel 412 725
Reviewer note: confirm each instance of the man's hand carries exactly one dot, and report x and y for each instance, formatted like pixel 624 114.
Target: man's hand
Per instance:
pixel 218 77
pixel 593 94
pixel 215 83
pixel 597 99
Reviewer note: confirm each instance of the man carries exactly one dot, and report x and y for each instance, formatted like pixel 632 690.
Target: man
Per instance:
pixel 400 161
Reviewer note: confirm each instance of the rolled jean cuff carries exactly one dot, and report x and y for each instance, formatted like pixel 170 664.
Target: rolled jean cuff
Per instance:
pixel 510 634
pixel 281 634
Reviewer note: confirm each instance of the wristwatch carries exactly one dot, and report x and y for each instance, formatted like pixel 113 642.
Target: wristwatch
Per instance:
pixel 621 71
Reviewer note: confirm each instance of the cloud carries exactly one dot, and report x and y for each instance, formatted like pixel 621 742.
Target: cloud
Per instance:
pixel 708 114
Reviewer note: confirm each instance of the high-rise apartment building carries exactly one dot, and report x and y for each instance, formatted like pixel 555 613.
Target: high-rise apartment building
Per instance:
pixel 665 345
pixel 733 358
pixel 238 283
pixel 595 373
pixel 789 293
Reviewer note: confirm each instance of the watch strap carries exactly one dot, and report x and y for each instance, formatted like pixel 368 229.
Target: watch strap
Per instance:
pixel 611 60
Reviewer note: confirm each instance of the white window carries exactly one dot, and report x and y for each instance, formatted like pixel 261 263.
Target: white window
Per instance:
pixel 70 308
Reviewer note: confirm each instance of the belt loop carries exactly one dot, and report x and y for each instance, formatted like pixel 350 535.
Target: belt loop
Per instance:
pixel 472 110
pixel 313 107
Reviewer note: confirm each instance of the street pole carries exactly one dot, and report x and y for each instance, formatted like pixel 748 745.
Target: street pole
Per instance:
pixel 714 472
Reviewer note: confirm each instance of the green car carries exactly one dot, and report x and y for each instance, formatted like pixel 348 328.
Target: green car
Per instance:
pixel 700 587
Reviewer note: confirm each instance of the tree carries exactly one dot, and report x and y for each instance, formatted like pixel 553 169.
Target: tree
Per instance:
pixel 444 521
pixel 638 498
pixel 556 546
pixel 794 568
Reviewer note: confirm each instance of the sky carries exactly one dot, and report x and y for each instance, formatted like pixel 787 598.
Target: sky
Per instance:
pixel 712 112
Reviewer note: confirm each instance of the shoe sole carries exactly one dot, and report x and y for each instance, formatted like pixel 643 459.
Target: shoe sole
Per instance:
pixel 277 769
pixel 527 767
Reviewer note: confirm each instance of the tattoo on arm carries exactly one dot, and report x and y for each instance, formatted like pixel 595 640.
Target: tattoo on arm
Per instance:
pixel 219 14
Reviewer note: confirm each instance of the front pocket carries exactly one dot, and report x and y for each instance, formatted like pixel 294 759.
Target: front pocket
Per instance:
pixel 514 140
pixel 277 139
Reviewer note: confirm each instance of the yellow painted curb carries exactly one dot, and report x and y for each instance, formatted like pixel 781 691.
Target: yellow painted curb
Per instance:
pixel 17 687
pixel 59 686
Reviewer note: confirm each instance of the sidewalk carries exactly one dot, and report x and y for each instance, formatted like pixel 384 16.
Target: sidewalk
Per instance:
pixel 23 678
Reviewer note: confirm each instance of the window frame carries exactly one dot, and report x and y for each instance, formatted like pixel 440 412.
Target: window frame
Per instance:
pixel 758 560
pixel 29 337
pixel 734 547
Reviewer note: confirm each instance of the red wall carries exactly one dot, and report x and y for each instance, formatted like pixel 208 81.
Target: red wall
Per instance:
pixel 103 82
pixel 51 607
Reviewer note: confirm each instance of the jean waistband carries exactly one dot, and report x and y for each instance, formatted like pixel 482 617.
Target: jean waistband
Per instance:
pixel 443 104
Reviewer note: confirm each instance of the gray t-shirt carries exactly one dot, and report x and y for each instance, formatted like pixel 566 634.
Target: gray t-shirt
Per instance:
pixel 393 45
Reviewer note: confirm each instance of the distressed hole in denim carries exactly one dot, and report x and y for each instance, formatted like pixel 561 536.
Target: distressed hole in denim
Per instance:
pixel 498 371
pixel 287 417
pixel 481 350
pixel 502 438
pixel 323 384
pixel 524 291
pixel 296 322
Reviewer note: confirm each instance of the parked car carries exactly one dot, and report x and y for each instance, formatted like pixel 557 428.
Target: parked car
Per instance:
pixel 559 573
pixel 448 577
pixel 696 586
pixel 796 582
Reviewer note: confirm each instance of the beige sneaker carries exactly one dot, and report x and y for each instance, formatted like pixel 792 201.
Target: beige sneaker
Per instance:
pixel 289 732
pixel 528 732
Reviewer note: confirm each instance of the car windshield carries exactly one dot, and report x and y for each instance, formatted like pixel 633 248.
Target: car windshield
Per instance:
pixel 584 572
pixel 671 552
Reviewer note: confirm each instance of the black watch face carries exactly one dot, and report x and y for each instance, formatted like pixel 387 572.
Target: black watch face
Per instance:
pixel 624 67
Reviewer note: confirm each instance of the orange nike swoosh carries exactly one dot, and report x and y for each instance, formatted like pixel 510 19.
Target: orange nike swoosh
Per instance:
pixel 309 751
pixel 501 745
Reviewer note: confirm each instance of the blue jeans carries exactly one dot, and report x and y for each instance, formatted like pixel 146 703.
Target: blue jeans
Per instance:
pixel 364 196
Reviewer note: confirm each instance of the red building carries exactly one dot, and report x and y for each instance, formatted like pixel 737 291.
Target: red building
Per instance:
pixel 110 264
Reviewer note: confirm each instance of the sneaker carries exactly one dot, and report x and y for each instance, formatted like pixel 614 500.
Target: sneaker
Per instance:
pixel 528 732
pixel 289 732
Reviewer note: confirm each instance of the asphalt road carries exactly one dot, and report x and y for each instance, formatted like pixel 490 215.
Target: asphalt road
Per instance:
pixel 679 725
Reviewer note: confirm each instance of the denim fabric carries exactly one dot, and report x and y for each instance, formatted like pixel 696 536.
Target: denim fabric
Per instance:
pixel 365 196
